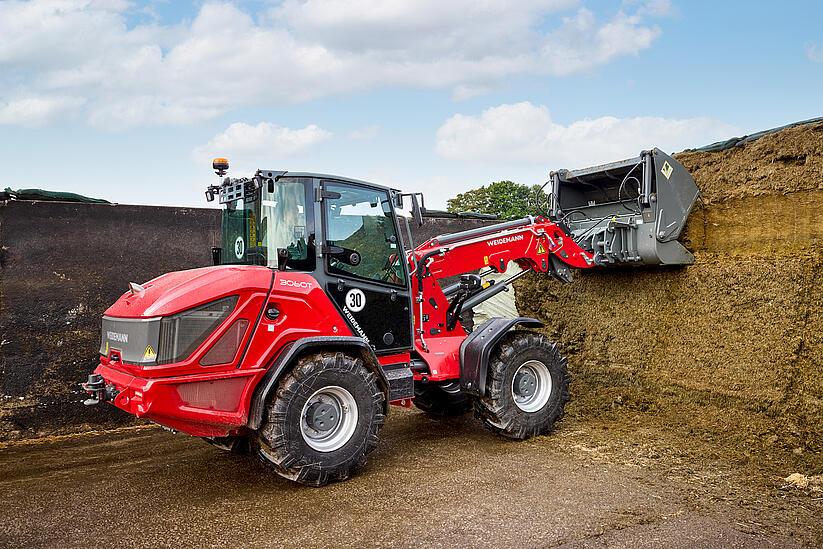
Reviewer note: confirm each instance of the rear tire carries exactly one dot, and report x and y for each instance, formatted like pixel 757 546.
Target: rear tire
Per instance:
pixel 323 421
pixel 441 400
pixel 527 386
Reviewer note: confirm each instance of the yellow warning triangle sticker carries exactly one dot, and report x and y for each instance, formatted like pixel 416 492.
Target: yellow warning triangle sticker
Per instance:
pixel 149 354
pixel 667 169
pixel 541 249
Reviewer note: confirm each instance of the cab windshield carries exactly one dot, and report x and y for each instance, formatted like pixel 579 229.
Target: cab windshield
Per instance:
pixel 268 228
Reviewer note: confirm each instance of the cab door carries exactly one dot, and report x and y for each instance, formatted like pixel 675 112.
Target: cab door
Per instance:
pixel 365 266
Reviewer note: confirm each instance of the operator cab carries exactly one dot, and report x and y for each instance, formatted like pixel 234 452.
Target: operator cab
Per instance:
pixel 266 223
pixel 344 232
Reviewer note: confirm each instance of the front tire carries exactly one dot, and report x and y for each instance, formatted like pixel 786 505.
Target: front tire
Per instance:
pixel 323 421
pixel 527 386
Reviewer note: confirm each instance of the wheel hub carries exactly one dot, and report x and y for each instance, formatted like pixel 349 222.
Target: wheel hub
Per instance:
pixel 525 383
pixel 531 386
pixel 322 416
pixel 329 418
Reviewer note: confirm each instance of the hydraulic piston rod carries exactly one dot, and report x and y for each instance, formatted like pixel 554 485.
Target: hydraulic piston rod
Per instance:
pixel 492 291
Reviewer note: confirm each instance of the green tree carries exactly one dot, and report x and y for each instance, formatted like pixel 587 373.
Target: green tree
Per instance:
pixel 505 199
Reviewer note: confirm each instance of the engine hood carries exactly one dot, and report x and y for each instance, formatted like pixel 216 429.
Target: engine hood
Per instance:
pixel 177 291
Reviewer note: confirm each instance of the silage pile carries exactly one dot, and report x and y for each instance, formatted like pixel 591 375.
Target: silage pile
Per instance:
pixel 728 349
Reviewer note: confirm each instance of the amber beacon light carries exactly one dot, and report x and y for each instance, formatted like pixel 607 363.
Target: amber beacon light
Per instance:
pixel 220 166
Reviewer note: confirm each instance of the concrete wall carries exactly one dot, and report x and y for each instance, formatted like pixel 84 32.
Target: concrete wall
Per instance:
pixel 61 266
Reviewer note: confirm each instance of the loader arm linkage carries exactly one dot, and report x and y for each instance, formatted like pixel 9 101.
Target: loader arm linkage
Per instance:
pixel 627 212
pixel 534 244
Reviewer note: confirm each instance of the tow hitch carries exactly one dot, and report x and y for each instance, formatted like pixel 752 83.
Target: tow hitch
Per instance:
pixel 98 390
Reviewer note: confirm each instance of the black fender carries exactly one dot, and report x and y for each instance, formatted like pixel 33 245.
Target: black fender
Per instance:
pixel 288 356
pixel 477 348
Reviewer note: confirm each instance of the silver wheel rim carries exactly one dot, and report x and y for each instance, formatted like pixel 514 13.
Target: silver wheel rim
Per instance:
pixel 531 386
pixel 328 419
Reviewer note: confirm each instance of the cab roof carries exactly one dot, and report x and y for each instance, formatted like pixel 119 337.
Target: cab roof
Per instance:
pixel 281 173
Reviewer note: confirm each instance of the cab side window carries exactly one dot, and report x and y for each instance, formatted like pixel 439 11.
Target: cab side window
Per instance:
pixel 361 235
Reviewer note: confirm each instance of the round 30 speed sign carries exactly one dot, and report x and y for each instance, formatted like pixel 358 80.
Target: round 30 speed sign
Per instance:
pixel 355 300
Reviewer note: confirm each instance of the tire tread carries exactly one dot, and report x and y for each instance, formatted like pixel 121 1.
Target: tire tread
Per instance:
pixel 272 442
pixel 493 409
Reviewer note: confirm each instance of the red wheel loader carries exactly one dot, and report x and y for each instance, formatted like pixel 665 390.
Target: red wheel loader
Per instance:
pixel 319 312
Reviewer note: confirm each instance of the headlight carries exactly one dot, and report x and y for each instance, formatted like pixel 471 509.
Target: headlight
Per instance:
pixel 182 333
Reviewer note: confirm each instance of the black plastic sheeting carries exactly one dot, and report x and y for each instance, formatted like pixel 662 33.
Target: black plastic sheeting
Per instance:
pixel 48 196
pixel 738 141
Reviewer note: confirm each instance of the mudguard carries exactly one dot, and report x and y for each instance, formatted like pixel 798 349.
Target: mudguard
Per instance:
pixel 477 348
pixel 291 352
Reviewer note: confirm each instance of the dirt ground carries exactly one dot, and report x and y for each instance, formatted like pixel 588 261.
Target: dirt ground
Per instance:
pixel 430 484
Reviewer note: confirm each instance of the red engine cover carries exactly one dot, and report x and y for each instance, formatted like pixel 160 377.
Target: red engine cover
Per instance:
pixel 174 292
pixel 214 400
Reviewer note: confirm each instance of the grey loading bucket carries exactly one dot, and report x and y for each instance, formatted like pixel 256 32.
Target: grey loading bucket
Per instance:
pixel 631 211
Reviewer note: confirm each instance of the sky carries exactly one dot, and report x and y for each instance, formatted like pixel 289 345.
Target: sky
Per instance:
pixel 129 101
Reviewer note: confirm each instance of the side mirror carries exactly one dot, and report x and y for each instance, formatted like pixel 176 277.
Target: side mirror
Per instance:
pixel 217 256
pixel 270 185
pixel 211 192
pixel 418 209
pixel 417 212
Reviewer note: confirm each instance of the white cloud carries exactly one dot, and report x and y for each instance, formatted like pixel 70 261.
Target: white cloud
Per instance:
pixel 523 132
pixel 154 74
pixel 657 8
pixel 461 93
pixel 36 111
pixel 815 52
pixel 582 42
pixel 420 29
pixel 244 142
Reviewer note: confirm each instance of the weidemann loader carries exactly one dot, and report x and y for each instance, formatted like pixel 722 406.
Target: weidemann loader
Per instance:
pixel 319 312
